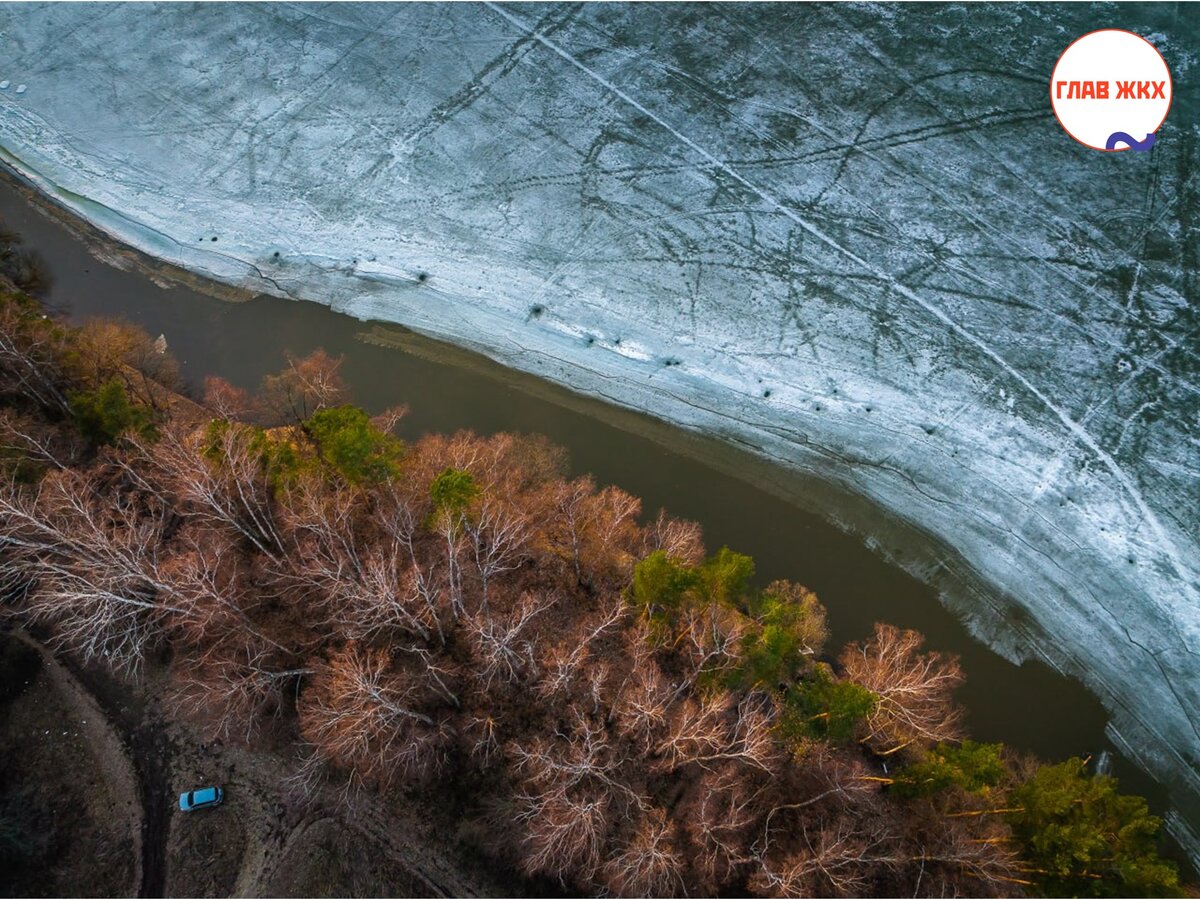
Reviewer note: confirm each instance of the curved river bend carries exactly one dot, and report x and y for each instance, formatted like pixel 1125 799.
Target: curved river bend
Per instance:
pixel 851 240
pixel 781 519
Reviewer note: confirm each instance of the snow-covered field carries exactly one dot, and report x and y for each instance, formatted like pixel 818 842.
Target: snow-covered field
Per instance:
pixel 852 238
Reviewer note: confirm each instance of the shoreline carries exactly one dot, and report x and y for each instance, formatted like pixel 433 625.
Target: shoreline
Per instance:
pixel 989 614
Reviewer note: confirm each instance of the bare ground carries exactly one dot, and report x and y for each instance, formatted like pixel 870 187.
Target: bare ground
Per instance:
pixel 95 768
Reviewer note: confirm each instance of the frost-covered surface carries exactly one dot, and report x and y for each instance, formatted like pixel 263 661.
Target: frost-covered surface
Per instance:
pixel 853 238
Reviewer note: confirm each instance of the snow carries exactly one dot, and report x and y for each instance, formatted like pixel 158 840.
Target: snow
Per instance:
pixel 851 238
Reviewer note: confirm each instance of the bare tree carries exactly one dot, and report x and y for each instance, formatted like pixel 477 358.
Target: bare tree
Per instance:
pixel 838 858
pixel 496 535
pixel 596 533
pixel 360 579
pixel 217 477
pixel 709 641
pixel 483 736
pixel 963 856
pixel 89 563
pixel 32 350
pixel 566 531
pixel 678 538
pixel 97 572
pixel 31 438
pixel 584 756
pixel 230 687
pixel 501 643
pixel 226 400
pixel 564 832
pixel 708 730
pixel 564 663
pixel 650 864
pixel 364 713
pixel 915 706
pixel 646 696
pixel 720 813
pixel 304 386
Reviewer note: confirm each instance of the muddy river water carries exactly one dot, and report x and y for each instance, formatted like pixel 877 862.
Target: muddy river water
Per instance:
pixel 786 524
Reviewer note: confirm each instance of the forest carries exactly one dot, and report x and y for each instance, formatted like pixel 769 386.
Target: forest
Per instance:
pixel 611 705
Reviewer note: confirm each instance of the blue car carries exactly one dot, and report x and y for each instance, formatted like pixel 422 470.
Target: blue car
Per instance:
pixel 201 798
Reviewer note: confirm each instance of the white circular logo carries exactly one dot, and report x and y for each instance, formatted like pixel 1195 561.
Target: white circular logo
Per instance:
pixel 1111 90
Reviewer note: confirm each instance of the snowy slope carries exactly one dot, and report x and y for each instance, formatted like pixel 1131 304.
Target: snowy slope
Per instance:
pixel 852 238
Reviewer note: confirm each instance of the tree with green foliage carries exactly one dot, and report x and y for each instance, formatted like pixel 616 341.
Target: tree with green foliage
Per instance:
pixel 453 490
pixel 105 413
pixel 348 442
pixel 1081 838
pixel 823 705
pixel 724 578
pixel 968 766
pixel 660 585
pixel 789 630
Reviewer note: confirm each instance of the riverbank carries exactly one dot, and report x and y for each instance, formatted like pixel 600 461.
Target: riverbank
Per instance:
pixel 738 500
pixel 268 590
pixel 886 344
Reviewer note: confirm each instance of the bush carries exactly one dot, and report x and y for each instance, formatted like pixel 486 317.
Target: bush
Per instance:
pixel 348 442
pixel 105 413
pixel 971 767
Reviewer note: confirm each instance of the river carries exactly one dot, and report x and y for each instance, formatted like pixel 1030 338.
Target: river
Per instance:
pixel 739 500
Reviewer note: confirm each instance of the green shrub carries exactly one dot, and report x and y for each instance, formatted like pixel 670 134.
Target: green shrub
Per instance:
pixel 106 412
pixel 348 442
pixel 970 766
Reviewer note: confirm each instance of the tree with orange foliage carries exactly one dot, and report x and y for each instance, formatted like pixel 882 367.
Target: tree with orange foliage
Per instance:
pixel 596 533
pixel 106 349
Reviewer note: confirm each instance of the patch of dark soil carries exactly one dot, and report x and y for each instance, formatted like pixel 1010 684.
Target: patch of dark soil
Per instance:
pixel 152 759
pixel 19 666
pixel 206 851
pixel 62 833
pixel 330 859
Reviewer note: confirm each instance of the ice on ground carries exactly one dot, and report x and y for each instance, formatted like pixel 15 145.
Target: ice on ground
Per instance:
pixel 852 236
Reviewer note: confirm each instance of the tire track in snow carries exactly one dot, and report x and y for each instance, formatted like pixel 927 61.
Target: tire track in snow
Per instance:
pixel 1081 434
